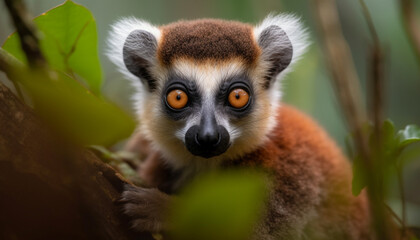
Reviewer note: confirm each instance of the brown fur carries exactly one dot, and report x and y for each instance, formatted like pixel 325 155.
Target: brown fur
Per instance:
pixel 207 39
pixel 310 174
pixel 312 184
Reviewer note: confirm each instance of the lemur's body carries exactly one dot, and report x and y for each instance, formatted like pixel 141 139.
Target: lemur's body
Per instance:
pixel 211 100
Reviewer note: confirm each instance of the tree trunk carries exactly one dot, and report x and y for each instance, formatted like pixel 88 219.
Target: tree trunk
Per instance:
pixel 50 189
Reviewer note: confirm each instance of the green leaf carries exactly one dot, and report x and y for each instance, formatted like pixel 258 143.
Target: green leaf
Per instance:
pixel 75 112
pixel 359 180
pixel 388 133
pixel 389 143
pixel 409 135
pixel 391 150
pixel 220 206
pixel 68 41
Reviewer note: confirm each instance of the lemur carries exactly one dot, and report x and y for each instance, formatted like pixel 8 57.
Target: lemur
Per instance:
pixel 208 97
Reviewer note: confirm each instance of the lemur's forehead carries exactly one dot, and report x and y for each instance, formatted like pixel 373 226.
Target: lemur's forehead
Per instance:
pixel 207 39
pixel 209 74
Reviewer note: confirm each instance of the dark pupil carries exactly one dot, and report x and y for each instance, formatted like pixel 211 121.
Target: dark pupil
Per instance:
pixel 237 96
pixel 178 97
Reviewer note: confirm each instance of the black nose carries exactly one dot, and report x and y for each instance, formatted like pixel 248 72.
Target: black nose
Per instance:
pixel 208 134
pixel 207 139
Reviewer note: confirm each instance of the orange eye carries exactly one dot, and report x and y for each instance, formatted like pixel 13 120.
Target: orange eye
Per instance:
pixel 238 98
pixel 177 99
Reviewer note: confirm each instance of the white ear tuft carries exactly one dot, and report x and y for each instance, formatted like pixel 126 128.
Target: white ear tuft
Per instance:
pixel 117 37
pixel 296 34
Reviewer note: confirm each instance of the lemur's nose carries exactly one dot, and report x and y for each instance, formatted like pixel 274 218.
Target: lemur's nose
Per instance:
pixel 207 139
pixel 208 135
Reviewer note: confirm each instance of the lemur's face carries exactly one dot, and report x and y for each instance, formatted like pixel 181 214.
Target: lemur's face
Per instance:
pixel 208 100
pixel 209 88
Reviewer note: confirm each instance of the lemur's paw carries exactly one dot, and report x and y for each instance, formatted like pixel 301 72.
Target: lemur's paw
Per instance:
pixel 147 207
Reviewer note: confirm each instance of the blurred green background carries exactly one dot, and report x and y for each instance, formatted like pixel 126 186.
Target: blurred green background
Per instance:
pixel 308 87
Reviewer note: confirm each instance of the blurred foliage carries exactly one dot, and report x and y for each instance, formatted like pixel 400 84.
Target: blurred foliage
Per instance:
pixel 125 162
pixel 57 96
pixel 218 206
pixel 91 120
pixel 223 205
pixel 392 146
pixel 68 40
pixel 409 135
pixel 309 89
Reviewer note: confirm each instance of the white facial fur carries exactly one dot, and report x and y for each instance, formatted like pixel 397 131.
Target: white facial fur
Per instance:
pixel 246 134
pixel 208 76
pixel 167 135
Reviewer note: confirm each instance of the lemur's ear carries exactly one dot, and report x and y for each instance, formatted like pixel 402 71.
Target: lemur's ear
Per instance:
pixel 282 40
pixel 132 46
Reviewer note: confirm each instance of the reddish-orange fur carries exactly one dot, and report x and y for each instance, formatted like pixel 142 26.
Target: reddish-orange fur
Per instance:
pixel 310 195
pixel 308 167
pixel 309 173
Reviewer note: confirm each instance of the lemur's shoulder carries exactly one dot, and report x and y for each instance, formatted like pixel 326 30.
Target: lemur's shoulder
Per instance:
pixel 309 170
pixel 296 131
pixel 302 157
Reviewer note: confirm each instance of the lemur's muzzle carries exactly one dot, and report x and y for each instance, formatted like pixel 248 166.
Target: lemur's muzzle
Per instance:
pixel 207 139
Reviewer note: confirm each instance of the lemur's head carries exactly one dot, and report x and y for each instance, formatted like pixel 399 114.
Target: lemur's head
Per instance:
pixel 207 88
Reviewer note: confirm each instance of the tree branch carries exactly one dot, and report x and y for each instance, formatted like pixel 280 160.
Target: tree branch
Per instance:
pixel 27 33
pixel 347 89
pixel 344 76
pixel 376 79
pixel 411 25
pixel 51 189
